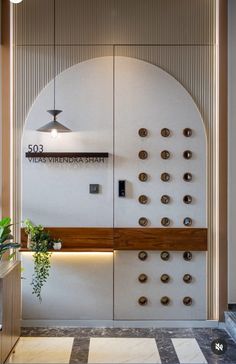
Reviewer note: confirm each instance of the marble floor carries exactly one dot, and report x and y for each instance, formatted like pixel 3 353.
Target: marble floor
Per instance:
pixel 167 346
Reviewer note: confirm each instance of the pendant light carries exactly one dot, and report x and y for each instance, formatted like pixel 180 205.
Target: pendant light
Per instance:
pixel 54 127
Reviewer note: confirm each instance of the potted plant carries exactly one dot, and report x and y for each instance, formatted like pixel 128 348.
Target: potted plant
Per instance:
pixel 40 242
pixel 6 238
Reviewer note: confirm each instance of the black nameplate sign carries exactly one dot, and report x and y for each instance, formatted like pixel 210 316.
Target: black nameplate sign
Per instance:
pixel 66 157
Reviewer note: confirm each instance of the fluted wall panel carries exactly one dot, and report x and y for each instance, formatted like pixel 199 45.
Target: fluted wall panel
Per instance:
pixel 176 35
pixel 116 22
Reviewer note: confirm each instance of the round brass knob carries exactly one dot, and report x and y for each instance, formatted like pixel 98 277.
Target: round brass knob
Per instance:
pixel 165 255
pixel 165 132
pixel 143 221
pixel 165 278
pixel 187 256
pixel 165 199
pixel 187 199
pixel 187 301
pixel 143 199
pixel 165 300
pixel 187 132
pixel 143 278
pixel 187 177
pixel 142 255
pixel 143 301
pixel 143 177
pixel 143 154
pixel 188 221
pixel 187 154
pixel 143 132
pixel 165 177
pixel 165 221
pixel 187 278
pixel 165 154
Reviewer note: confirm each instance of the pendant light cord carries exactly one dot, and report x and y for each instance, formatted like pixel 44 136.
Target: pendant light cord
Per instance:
pixel 54 53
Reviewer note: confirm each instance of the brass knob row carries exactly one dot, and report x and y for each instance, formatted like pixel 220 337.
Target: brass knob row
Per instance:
pixel 165 300
pixel 165 154
pixel 143 255
pixel 165 221
pixel 165 132
pixel 165 199
pixel 165 278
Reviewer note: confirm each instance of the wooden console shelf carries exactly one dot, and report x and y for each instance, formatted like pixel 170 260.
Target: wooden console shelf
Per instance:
pixel 110 239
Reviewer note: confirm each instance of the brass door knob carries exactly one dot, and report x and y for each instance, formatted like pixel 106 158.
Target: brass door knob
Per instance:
pixel 143 154
pixel 142 255
pixel 188 221
pixel 143 278
pixel 165 300
pixel 165 256
pixel 143 221
pixel 187 256
pixel 165 199
pixel 165 154
pixel 187 301
pixel 187 154
pixel 187 132
pixel 143 199
pixel 187 199
pixel 187 278
pixel 143 132
pixel 165 132
pixel 165 278
pixel 143 301
pixel 165 221
pixel 187 177
pixel 165 177
pixel 143 177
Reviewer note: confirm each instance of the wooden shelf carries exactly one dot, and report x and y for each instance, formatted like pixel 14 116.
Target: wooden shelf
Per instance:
pixel 67 155
pixel 109 239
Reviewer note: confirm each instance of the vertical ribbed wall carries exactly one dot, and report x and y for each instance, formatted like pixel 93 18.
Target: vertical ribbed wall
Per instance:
pixel 176 35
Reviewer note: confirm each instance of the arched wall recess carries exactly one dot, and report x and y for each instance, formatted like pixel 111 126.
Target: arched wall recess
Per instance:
pixel 105 102
pixel 56 194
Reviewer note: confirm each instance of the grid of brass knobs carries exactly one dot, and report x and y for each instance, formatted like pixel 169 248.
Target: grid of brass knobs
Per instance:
pixel 165 278
pixel 165 176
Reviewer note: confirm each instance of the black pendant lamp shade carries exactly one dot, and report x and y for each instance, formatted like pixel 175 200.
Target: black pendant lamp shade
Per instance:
pixel 54 125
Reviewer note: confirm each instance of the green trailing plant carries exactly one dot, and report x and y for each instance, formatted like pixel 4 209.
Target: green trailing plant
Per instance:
pixel 40 243
pixel 6 238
